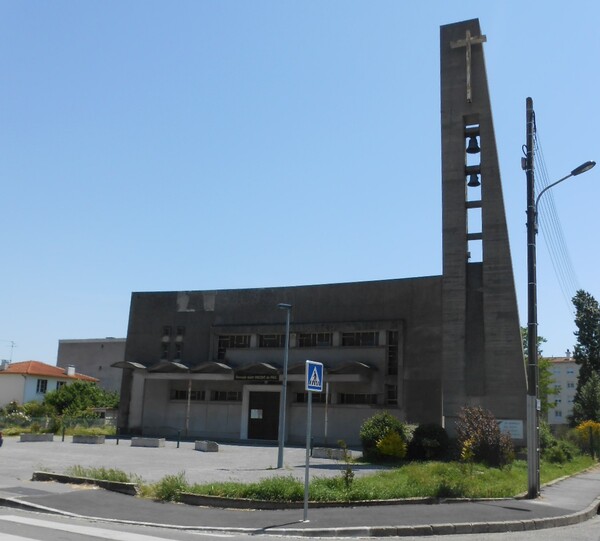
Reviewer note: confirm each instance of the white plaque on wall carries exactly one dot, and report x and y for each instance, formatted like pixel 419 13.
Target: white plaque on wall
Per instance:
pixel 513 426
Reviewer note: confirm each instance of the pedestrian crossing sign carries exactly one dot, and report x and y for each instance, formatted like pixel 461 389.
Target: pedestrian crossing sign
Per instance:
pixel 314 376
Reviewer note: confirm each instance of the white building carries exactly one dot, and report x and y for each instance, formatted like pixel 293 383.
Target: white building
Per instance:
pixel 565 372
pixel 30 380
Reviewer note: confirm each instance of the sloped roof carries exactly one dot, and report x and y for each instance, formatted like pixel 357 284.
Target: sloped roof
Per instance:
pixel 36 368
pixel 556 360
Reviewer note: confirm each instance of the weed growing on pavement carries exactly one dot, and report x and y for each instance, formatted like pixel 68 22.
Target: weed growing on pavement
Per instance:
pixel 170 487
pixel 412 480
pixel 103 474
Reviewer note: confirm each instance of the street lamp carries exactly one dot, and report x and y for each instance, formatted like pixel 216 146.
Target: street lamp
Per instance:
pixel 533 450
pixel 583 168
pixel 282 403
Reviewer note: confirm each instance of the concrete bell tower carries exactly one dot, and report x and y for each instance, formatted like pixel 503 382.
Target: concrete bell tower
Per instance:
pixel 482 354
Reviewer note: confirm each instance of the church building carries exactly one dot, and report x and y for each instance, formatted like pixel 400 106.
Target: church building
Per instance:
pixel 209 364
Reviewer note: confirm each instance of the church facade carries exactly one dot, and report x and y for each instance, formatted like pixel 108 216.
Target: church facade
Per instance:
pixel 209 364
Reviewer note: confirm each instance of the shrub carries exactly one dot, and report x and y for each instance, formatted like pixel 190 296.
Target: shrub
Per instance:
pixel 588 436
pixel 486 442
pixel 170 487
pixel 429 442
pixel 375 429
pixel 547 439
pixel 555 455
pixel 562 452
pixel 392 445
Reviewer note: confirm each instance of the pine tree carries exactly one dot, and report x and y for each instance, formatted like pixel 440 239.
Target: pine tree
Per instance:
pixel 587 349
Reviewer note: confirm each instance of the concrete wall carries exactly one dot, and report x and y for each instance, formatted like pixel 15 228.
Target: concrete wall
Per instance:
pixel 94 357
pixel 412 307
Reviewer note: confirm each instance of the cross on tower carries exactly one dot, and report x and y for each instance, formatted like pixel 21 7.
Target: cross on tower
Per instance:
pixel 467 42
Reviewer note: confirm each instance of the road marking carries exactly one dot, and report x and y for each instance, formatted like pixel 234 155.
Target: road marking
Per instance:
pixel 8 537
pixel 102 533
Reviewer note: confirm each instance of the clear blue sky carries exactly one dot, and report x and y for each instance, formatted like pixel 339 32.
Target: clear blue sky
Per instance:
pixel 183 145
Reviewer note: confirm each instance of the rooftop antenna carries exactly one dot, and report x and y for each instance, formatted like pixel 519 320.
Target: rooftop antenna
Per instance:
pixel 12 346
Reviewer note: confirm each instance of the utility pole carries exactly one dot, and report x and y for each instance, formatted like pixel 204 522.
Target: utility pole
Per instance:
pixel 533 453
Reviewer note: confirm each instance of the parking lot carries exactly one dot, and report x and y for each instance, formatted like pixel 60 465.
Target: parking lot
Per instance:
pixel 233 462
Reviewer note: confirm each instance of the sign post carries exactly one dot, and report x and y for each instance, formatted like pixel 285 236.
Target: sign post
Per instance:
pixel 313 384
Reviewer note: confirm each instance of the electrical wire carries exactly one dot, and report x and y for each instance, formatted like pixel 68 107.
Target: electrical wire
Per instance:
pixel 551 229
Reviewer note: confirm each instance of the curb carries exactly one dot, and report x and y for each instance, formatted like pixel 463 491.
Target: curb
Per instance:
pixel 266 505
pixel 357 531
pixel 124 488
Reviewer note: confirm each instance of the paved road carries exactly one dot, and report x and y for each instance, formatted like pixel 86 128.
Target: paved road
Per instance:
pixel 232 462
pixel 570 501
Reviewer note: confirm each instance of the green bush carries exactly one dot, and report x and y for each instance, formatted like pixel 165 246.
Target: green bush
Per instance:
pixel 375 429
pixel 392 445
pixel 478 430
pixel 555 450
pixel 429 442
pixel 547 439
pixel 170 487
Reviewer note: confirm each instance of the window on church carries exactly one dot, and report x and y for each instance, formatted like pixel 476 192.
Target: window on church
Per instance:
pixel 226 396
pixel 182 394
pixel 392 353
pixel 178 351
pixel 361 339
pixel 271 340
pixel 166 332
pixel 164 351
pixel 357 398
pixel 314 339
pixel 318 398
pixel 231 341
pixel 391 395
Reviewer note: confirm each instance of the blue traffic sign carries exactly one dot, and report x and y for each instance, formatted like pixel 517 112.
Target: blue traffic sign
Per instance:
pixel 314 376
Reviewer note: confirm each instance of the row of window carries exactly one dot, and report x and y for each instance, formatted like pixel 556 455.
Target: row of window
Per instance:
pixel 165 350
pixel 168 332
pixel 558 388
pixel 301 398
pixel 42 386
pixel 198 396
pixel 303 340
pixel 174 351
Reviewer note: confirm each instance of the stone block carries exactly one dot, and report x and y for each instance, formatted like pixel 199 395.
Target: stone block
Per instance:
pixel 88 439
pixel 36 437
pixel 333 453
pixel 147 442
pixel 207 446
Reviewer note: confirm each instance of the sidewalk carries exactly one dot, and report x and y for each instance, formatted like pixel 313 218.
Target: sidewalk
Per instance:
pixel 566 502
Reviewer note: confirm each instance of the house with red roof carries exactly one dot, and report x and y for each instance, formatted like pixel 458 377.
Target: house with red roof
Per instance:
pixel 30 380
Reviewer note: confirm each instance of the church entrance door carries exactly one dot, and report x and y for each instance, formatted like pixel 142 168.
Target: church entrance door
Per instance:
pixel 263 416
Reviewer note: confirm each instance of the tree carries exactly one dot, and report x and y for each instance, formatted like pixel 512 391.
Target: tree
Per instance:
pixel 587 349
pixel 545 379
pixel 79 398
pixel 587 408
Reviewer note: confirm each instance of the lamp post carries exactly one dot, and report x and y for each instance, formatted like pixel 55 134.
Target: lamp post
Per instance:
pixel 282 403
pixel 533 450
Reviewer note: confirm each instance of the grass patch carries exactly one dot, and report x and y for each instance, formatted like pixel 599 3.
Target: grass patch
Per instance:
pixel 411 480
pixel 14 431
pixel 103 474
